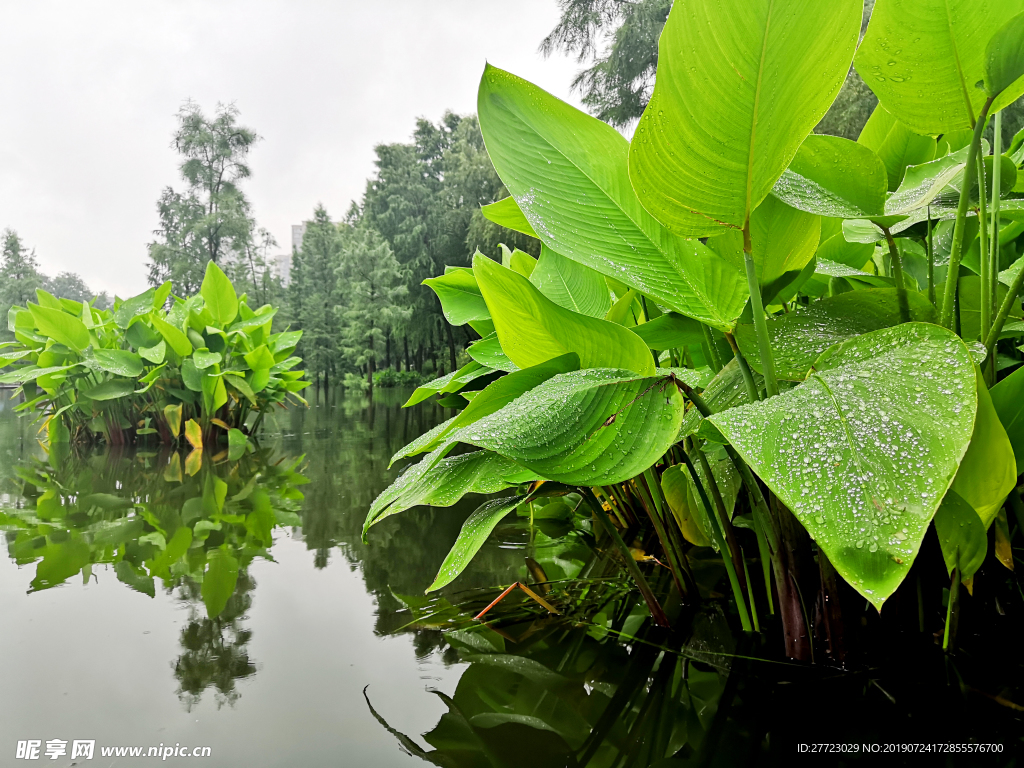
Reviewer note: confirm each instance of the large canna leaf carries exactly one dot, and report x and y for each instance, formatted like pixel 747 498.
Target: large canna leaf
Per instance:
pixel 60 326
pixel 988 471
pixel 568 173
pixel 1008 401
pixel 962 535
pixel 865 450
pixel 219 295
pixel 506 213
pixel 590 427
pixel 474 533
pixel 571 285
pixel 219 581
pixel 923 59
pixel 492 398
pixel 834 177
pixel 459 295
pixel 533 329
pixel 116 361
pixel 740 85
pixel 440 482
pixel 799 338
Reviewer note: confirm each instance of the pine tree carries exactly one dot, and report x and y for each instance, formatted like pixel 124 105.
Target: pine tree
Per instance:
pixel 19 276
pixel 314 291
pixel 373 291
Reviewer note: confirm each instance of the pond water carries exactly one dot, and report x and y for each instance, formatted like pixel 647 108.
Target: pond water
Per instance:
pixel 159 600
pixel 274 680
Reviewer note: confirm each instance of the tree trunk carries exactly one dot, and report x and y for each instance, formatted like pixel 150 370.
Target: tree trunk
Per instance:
pixel 369 374
pixel 408 363
pixel 451 344
pixel 327 386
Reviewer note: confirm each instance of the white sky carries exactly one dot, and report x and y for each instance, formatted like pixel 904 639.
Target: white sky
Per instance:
pixel 90 91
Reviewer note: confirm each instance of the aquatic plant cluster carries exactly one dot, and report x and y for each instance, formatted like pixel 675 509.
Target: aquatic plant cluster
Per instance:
pixel 794 349
pixel 197 369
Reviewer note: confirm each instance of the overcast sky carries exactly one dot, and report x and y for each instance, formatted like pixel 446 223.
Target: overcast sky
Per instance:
pixel 90 92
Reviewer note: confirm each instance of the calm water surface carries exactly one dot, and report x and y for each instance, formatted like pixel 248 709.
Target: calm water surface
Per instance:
pixel 277 678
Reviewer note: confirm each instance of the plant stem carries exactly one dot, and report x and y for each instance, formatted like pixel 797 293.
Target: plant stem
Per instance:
pixel 956 251
pixel 730 569
pixel 952 613
pixel 748 376
pixel 931 260
pixel 897 273
pixel 764 344
pixel 714 360
pixel 657 613
pixel 997 183
pixel 652 496
pixel 1004 313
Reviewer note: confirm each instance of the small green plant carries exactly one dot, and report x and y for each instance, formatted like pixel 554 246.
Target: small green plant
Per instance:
pixel 866 292
pixel 206 363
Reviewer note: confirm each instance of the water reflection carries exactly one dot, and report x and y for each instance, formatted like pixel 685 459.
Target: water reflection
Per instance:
pixel 155 527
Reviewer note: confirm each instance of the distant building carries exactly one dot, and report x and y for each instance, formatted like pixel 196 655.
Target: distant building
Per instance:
pixel 283 268
pixel 283 261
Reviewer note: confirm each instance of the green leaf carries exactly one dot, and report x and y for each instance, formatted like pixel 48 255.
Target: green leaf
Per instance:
pixel 60 326
pixel 571 285
pixel 219 581
pixel 451 382
pixel 459 295
pixel 155 354
pixel 834 177
pixel 896 145
pixel 798 338
pixel 134 307
pixel 259 359
pixel 204 358
pixel 506 213
pixel 175 337
pixel 492 398
pixel 590 427
pixel 1008 401
pixel 693 523
pixel 190 376
pixel 569 174
pixel 241 386
pixel 261 318
pixel 988 471
pixel 970 306
pixel 740 85
pixel 783 241
pixel 533 329
pixel 1004 58
pixel 237 443
pixel 923 59
pixel 865 450
pixel 118 361
pixel 488 353
pixel 962 536
pixel 441 482
pixel 219 295
pixel 670 331
pixel 110 390
pixel 474 533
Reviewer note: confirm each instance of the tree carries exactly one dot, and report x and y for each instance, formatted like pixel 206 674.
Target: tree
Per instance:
pixel 373 289
pixel 620 38
pixel 211 219
pixel 314 294
pixel 68 285
pixel 19 276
